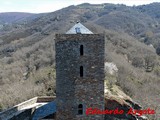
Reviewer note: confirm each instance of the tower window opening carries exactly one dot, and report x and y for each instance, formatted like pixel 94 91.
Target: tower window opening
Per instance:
pixel 81 71
pixel 78 30
pixel 81 50
pixel 80 109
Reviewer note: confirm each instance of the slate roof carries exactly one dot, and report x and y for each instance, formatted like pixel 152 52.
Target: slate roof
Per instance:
pixel 78 28
pixel 44 110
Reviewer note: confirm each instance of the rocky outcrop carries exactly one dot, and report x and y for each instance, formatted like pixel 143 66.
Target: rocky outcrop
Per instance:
pixel 121 104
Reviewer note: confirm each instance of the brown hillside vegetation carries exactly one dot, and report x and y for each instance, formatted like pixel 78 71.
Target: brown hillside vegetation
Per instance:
pixel 27 53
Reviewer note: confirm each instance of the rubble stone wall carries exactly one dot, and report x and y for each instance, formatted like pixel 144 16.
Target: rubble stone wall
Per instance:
pixel 73 89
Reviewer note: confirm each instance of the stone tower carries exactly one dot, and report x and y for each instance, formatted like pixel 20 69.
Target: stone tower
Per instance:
pixel 79 73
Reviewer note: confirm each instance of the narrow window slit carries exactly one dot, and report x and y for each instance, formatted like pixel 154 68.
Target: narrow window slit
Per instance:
pixel 81 71
pixel 80 109
pixel 81 50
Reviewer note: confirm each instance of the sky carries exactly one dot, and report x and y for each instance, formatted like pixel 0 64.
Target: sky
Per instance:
pixel 41 6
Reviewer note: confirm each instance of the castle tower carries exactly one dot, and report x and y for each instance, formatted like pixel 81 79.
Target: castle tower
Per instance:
pixel 79 74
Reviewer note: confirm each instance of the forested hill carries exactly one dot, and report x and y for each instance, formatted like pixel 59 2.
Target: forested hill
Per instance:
pixel 27 54
pixel 141 22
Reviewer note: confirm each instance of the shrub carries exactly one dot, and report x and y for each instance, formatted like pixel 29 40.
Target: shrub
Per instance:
pixel 1 107
pixel 157 70
pixel 158 50
pixel 137 62
pixel 149 62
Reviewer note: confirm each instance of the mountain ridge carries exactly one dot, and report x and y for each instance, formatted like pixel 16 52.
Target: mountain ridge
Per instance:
pixel 11 17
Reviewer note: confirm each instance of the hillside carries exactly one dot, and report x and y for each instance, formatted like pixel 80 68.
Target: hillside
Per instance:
pixel 9 21
pixel 10 17
pixel 27 55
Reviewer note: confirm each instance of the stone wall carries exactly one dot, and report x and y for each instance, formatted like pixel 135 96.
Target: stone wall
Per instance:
pixel 71 89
